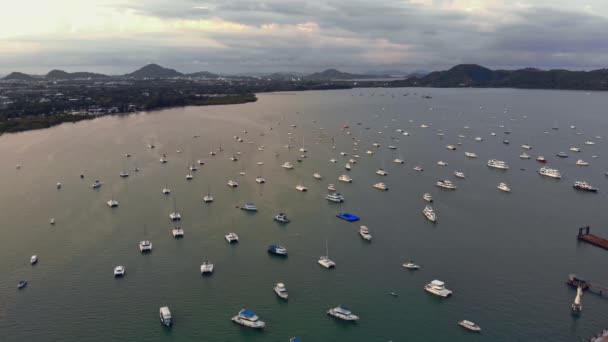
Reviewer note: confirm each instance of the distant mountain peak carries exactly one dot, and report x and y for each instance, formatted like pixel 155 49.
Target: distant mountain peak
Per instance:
pixel 19 76
pixel 154 71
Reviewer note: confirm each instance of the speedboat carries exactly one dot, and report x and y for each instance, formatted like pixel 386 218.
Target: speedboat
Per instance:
pixel 281 217
pixel 206 267
pixel 524 156
pixel 498 164
pixel 165 316
pixel 469 325
pixel 287 165
pixel 33 259
pixel 429 213
pixel 526 147
pixel 584 186
pixel 96 185
pixel 345 179
pixel 442 163
pixel 335 197
pixel 418 168
pixel 281 291
pixel 451 147
pixel 232 237
pixel 145 246
pixel 552 173
pixel 317 175
pixel 459 174
pixel 446 184
pixel 166 191
pixel 249 207
pixel 122 174
pixel 347 166
pixel 200 162
pixel 175 216
pixel 326 262
pixel 427 197
pixel 470 154
pixel 119 271
pixel 381 172
pixel 504 187
pixel 562 155
pixel 343 313
pixel 398 161
pixel 333 160
pixel 112 203
pixel 437 287
pixel 581 162
pixel 21 284
pixel 381 186
pixel 301 188
pixel 277 250
pixel 541 159
pixel 177 232
pixel 331 187
pixel 410 265
pixel 249 319
pixel 232 183
pixel 575 149
pixel 208 198
pixel 364 232
pixel 589 143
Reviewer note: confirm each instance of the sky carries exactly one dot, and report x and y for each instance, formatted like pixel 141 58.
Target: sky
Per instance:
pixel 234 36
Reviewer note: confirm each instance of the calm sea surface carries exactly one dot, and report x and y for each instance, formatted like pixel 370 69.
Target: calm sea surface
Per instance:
pixel 506 256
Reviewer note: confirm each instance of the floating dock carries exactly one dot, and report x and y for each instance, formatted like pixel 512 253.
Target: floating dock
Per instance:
pixel 584 235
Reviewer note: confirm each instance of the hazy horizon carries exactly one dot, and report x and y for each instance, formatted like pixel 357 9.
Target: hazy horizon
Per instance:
pixel 118 36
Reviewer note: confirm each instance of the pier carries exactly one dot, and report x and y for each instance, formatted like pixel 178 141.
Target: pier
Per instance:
pixel 575 281
pixel 586 236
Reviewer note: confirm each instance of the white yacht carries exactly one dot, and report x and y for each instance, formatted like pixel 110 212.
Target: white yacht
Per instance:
pixel 208 198
pixel 381 186
pixel 206 267
pixel 232 237
pixel 526 147
pixel 145 246
pixel 418 168
pixel 410 265
pixel 581 162
pixel 96 185
pixel 524 156
pixel 112 203
pixel 504 187
pixel 470 154
pixel 347 166
pixel 260 180
pixel 451 147
pixel 589 143
pixel 469 325
pixel 427 197
pixel 119 271
pixel 331 187
pixel 33 259
pixel 177 232
pixel 232 183
pixel 345 179
pixel 165 316
pixel 249 319
pixel 459 174
pixel 437 287
pixel 281 291
pixel 317 175
pixel 166 191
pixel 335 197
pixel 398 161
pixel 364 232
pixel 343 313
pixel 429 213
pixel 446 184
pixel 333 160
pixel 552 173
pixel 575 149
pixel 478 139
pixel 287 165
pixel 381 172
pixel 498 164
pixel 442 163
pixel 301 188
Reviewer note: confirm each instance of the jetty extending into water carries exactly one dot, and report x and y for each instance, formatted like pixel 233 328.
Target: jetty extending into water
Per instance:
pixel 575 281
pixel 586 236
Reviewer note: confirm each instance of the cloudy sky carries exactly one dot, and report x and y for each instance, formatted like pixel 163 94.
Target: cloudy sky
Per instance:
pixel 117 36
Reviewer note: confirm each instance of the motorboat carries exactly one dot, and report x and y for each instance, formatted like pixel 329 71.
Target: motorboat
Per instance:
pixel 589 143
pixel 442 163
pixel 504 187
pixel 410 265
pixel 498 164
pixel 145 246
pixel 52 221
pixel 96 185
pixel 281 217
pixel 317 176
pixel 193 167
pixel 427 197
pixel 370 152
pixel 112 203
pixel 331 187
pixel 122 174
pixel 451 147
pixel 33 259
pixel 418 168
pixel 234 158
pixel 364 232
pixel 232 183
pixel 562 155
pixel 21 284
pixel 287 165
pixel 437 287
pixel 584 186
pixel 119 271
pixel 470 155
pixel 206 267
pixel 281 291
pixel 177 232
pixel 345 179
pixel 200 162
pixel 479 138
pixel 398 161
pixel 348 166
pixel 446 184
pixel 459 174
pixel 165 316
pixel 541 159
pixel 506 142
pixel 301 188
pixel 343 313
pixel 249 207
pixel 163 160
pixel 249 319
pixel 381 186
pixel 575 149
pixel 232 237
pixel 524 156
pixel 277 250
pixel 348 217
pixel 242 173
pixel 552 173
pixel 333 160
pixel 335 197
pixel 381 172
pixel 376 145
pixel 581 162
pixel 469 326
pixel 429 213
pixel 526 147
pixel 326 262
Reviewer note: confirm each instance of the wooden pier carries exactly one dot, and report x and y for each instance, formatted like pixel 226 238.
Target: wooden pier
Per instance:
pixel 584 235
pixel 575 281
